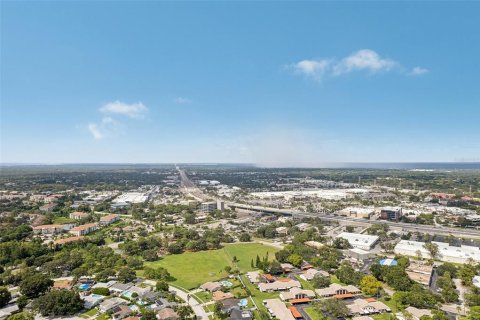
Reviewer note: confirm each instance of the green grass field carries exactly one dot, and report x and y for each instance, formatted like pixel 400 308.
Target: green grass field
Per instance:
pixel 191 269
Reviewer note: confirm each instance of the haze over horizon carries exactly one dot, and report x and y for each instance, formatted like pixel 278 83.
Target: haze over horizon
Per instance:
pixel 274 84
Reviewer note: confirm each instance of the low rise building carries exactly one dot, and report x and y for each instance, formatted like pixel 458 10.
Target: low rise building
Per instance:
pixel 311 273
pixel 48 229
pixel 297 293
pixel 446 252
pixel 367 306
pixel 77 215
pixel 338 291
pixel 84 229
pixel 391 213
pixel 109 219
pixel 360 241
pixel 279 285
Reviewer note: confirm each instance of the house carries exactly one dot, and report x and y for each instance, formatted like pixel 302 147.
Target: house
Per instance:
pixel 281 230
pixel 8 310
pixel 279 285
pixel 305 265
pixel 84 229
pixel 417 313
pixel 211 286
pixel 61 242
pixel 110 304
pixel 92 300
pixel 228 305
pixel 241 315
pixel 297 293
pixel 48 229
pixel 220 295
pixel 108 219
pixel 77 215
pixel 118 287
pixel 167 314
pixel 120 312
pixel 48 207
pixel 278 309
pixel 286 267
pixel 311 273
pixel 253 276
pixel 338 291
pixel 367 306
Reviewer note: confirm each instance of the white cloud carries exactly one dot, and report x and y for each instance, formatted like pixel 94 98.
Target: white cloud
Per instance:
pixel 418 71
pixel 107 127
pixel 364 59
pixel 95 131
pixel 361 60
pixel 182 100
pixel 312 68
pixel 134 110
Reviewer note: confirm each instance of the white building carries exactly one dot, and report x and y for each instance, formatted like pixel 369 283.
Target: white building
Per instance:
pixel 360 241
pixel 446 252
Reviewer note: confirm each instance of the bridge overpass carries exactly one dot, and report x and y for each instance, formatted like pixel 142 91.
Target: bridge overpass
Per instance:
pixel 438 230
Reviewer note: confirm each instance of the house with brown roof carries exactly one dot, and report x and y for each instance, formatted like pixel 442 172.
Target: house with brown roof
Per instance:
pixel 60 242
pixel 311 273
pixel 64 284
pixel 84 229
pixel 211 286
pixel 167 314
pixel 220 295
pixel 297 293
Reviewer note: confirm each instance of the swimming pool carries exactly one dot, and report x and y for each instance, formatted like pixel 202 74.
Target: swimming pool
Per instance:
pixel 84 286
pixel 243 303
pixel 226 283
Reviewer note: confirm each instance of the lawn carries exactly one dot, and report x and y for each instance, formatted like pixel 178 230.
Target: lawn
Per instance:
pixel 257 295
pixel 89 313
pixel 313 313
pixel 191 269
pixel 63 220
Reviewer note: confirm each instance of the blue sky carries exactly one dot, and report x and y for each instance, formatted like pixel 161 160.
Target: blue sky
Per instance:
pixel 274 83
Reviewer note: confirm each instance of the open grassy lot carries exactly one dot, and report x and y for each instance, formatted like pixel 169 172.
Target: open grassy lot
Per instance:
pixel 191 269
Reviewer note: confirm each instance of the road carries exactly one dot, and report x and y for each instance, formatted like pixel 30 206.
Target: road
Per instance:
pixel 196 306
pixel 189 187
pixel 457 232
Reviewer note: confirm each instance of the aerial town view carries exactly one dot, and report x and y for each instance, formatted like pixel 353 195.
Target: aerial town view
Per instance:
pixel 243 160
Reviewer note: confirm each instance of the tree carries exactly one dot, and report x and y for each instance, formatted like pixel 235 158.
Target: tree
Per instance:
pixel 447 267
pixel 295 259
pixel 335 307
pixel 275 267
pixel 320 281
pixel 175 248
pixel 244 237
pixel 101 291
pixel 466 274
pixel 21 316
pixel 347 274
pixel 158 273
pixel 35 284
pixel 58 303
pixel 184 312
pixel 341 243
pixel 432 249
pixel 228 269
pixel 161 286
pixel 370 285
pixel 282 255
pixel 148 314
pixel 126 275
pixel 217 310
pixel 5 296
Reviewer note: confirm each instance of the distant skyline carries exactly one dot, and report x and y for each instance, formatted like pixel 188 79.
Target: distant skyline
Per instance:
pixel 270 83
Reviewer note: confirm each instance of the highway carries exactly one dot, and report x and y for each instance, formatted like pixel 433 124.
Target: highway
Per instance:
pixel 190 188
pixel 440 230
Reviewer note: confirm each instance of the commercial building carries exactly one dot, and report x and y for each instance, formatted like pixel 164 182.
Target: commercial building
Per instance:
pixel 391 213
pixel 447 253
pixel 360 241
pixel 207 207
pixel 84 229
